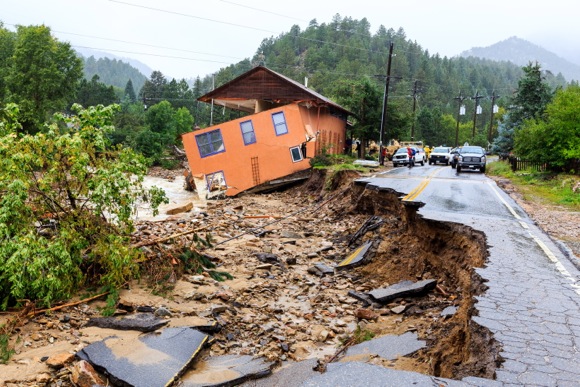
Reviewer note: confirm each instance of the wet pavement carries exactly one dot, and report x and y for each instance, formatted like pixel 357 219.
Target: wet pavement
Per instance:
pixel 532 305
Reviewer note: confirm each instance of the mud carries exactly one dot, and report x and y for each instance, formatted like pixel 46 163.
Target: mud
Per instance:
pixel 279 310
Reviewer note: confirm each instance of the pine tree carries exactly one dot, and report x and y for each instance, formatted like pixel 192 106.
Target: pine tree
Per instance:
pixel 130 92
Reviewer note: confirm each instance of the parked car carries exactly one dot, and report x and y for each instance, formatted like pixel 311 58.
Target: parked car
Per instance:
pixel 471 157
pixel 400 157
pixel 440 154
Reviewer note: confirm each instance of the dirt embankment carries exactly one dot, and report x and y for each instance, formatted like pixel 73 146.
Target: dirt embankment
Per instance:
pixel 278 305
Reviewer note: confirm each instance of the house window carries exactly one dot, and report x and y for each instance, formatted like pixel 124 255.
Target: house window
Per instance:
pixel 296 154
pixel 248 132
pixel 216 181
pixel 210 143
pixel 280 123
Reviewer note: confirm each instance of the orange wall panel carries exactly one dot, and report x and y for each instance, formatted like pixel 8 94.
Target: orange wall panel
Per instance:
pixel 269 157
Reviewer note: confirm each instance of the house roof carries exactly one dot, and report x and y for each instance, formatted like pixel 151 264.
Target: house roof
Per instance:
pixel 263 84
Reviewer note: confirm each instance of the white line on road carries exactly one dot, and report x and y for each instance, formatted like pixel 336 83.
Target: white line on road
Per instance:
pixel 542 245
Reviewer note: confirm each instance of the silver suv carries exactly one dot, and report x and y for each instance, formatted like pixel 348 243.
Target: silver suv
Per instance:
pixel 471 157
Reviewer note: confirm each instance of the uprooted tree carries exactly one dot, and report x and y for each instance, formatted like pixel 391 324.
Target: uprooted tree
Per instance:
pixel 67 199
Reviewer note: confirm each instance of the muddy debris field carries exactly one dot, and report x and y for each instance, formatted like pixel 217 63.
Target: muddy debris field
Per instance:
pixel 287 300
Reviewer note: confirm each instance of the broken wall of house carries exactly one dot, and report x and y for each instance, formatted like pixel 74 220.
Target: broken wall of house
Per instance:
pixel 255 149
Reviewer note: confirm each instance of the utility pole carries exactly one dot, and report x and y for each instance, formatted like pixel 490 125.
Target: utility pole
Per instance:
pixel 414 106
pixel 493 98
pixel 385 98
pixel 211 111
pixel 476 97
pixel 459 99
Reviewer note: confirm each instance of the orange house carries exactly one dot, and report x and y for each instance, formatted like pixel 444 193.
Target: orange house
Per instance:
pixel 289 124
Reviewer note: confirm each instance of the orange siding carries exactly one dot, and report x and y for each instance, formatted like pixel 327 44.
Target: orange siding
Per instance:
pixel 269 158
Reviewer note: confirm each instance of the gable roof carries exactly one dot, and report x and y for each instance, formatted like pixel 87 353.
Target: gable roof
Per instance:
pixel 263 84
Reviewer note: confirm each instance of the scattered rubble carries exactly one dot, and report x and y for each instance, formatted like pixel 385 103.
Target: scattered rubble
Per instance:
pixel 287 301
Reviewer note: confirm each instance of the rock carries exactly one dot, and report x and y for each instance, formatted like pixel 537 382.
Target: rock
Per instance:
pixel 143 322
pixel 398 309
pixel 84 375
pixel 290 235
pixel 267 257
pixel 162 312
pixel 177 210
pixel 43 377
pixel 366 314
pixel 59 360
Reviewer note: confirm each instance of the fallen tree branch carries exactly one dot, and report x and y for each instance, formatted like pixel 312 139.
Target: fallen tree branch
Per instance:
pixel 36 312
pixel 155 241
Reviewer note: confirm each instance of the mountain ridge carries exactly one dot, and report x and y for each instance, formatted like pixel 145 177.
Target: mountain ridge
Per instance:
pixel 521 52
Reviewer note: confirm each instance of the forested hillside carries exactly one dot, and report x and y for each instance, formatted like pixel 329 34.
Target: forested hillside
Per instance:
pixel 347 62
pixel 113 72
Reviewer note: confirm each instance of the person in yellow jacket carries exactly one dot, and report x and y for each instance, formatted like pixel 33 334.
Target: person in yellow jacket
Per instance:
pixel 427 150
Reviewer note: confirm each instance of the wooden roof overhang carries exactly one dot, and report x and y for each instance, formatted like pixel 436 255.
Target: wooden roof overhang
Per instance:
pixel 262 84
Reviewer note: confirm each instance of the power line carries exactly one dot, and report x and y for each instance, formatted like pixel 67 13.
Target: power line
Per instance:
pixel 156 55
pixel 191 16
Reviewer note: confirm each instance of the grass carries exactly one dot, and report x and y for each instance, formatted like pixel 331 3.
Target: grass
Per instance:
pixel 546 188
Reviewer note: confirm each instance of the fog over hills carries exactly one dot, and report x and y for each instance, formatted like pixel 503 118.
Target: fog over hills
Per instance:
pixel 516 50
pixel 521 52
pixel 142 67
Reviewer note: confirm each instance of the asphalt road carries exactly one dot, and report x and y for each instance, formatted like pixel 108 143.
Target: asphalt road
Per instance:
pixel 533 302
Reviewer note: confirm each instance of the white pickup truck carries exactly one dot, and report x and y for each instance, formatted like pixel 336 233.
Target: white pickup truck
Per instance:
pixel 400 157
pixel 440 154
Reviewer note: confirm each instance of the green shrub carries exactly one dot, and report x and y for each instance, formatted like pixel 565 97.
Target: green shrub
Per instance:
pixel 66 205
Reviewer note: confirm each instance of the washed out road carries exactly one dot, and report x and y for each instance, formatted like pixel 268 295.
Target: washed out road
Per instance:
pixel 532 305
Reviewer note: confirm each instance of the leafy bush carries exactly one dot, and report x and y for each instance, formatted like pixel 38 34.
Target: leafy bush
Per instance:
pixel 67 198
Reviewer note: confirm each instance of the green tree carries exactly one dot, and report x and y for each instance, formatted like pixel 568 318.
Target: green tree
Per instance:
pixel 7 42
pixel 66 206
pixel 531 97
pixel 129 94
pixel 129 121
pixel 556 139
pixel 160 120
pixel 183 122
pixel 95 93
pixel 363 98
pixel 528 103
pixel 153 90
pixel 43 75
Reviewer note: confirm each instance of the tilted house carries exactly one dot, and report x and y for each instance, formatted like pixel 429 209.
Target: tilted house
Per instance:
pixel 289 124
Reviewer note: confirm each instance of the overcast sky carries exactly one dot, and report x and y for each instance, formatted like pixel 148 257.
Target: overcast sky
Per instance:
pixel 184 39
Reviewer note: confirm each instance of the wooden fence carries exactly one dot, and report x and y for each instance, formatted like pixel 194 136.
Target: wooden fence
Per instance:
pixel 518 164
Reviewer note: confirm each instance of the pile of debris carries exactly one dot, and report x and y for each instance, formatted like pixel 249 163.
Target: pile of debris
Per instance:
pixel 314 272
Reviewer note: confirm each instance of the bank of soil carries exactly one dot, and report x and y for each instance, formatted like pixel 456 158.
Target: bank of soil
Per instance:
pixel 279 306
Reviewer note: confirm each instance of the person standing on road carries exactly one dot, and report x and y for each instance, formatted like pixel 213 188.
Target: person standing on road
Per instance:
pixel 410 155
pixel 427 151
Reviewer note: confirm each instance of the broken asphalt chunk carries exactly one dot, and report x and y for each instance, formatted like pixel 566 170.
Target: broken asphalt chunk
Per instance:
pixel 267 257
pixel 142 322
pixel 320 269
pixel 388 347
pixel 449 311
pixel 356 257
pixel 364 298
pixel 154 359
pixel 403 289
pixel 228 370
